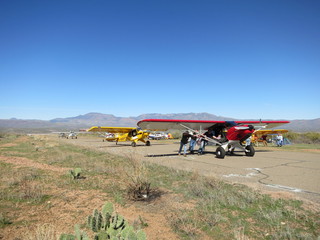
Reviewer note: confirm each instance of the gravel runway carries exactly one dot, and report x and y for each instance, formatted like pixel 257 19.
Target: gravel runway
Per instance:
pixel 279 173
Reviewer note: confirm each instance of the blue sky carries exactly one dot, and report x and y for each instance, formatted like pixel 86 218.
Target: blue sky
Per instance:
pixel 240 59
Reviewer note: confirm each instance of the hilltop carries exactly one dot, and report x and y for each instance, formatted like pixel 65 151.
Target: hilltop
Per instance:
pixel 100 119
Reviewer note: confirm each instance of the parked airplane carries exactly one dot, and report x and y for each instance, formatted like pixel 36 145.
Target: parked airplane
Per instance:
pixel 123 134
pixel 257 136
pixel 157 136
pixel 67 135
pixel 232 133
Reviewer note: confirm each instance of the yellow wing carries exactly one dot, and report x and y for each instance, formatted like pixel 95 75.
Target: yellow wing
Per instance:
pixel 111 129
pixel 269 131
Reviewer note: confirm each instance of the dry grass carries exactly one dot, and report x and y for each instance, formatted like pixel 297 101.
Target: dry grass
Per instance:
pixel 218 210
pixel 135 177
pixel 43 232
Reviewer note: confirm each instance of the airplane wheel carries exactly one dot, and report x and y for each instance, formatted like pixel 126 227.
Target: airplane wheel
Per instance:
pixel 133 144
pixel 251 151
pixel 148 143
pixel 220 152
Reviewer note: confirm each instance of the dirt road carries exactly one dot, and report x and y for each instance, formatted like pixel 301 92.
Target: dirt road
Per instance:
pixel 283 173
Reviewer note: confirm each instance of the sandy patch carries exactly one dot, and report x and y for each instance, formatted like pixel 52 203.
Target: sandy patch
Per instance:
pixel 25 162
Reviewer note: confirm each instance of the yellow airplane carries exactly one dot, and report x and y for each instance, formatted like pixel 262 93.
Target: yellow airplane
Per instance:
pixel 257 135
pixel 123 134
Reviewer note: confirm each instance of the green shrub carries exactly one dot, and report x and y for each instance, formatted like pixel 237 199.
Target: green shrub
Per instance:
pixel 292 136
pixel 4 221
pixel 308 138
pixel 176 134
pixel 313 137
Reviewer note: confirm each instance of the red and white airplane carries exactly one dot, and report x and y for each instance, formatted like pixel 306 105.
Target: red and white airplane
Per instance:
pixel 233 133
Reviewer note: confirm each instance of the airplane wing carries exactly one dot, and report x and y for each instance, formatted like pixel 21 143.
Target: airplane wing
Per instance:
pixel 111 129
pixel 165 124
pixel 271 131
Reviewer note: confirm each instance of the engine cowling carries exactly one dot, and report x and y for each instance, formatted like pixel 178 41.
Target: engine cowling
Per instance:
pixel 240 133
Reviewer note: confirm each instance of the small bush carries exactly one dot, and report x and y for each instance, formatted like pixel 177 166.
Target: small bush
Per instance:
pixel 176 134
pixel 313 137
pixel 308 138
pixel 4 221
pixel 138 186
pixel 43 232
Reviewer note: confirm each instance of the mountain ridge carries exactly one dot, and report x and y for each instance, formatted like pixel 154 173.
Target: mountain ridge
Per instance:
pixel 101 119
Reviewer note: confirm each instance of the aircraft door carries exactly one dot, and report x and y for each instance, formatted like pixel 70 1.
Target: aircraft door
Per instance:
pixel 133 133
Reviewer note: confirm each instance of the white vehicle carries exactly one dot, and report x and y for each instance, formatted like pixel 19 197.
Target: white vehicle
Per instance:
pixel 67 135
pixel 157 136
pixel 72 135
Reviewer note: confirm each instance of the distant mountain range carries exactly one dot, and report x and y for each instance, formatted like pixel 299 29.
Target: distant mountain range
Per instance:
pixel 100 119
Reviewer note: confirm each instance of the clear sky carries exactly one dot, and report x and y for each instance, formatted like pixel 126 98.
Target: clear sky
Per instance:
pixel 241 59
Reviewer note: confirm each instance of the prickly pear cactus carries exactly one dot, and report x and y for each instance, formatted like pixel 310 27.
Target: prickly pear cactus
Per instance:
pixel 107 225
pixel 67 237
pixel 75 173
pixel 95 221
pixel 101 236
pixel 117 222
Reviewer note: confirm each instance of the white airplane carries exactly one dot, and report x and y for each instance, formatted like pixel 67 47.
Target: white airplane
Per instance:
pixel 157 136
pixel 67 135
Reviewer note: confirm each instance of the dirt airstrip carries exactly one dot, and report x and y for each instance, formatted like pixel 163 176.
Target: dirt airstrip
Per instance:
pixel 280 173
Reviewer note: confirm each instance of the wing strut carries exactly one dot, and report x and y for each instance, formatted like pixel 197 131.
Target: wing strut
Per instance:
pixel 200 134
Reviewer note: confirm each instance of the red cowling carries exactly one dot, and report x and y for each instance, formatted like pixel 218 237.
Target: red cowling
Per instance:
pixel 239 134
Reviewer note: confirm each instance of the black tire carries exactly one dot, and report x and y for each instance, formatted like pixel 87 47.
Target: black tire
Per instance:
pixel 148 143
pixel 133 144
pixel 220 152
pixel 251 151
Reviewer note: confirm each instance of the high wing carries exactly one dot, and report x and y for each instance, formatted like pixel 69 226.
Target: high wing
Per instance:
pixel 111 129
pixel 227 141
pixel 165 124
pixel 270 131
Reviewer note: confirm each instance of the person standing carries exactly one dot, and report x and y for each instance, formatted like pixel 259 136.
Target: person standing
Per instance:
pixel 184 142
pixel 264 140
pixel 193 141
pixel 279 140
pixel 204 142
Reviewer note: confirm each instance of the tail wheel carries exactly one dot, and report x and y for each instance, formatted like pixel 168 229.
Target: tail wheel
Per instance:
pixel 250 151
pixel 148 143
pixel 220 152
pixel 133 144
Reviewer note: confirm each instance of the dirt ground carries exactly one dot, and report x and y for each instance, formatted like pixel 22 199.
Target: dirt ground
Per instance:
pixel 279 173
pixel 73 207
